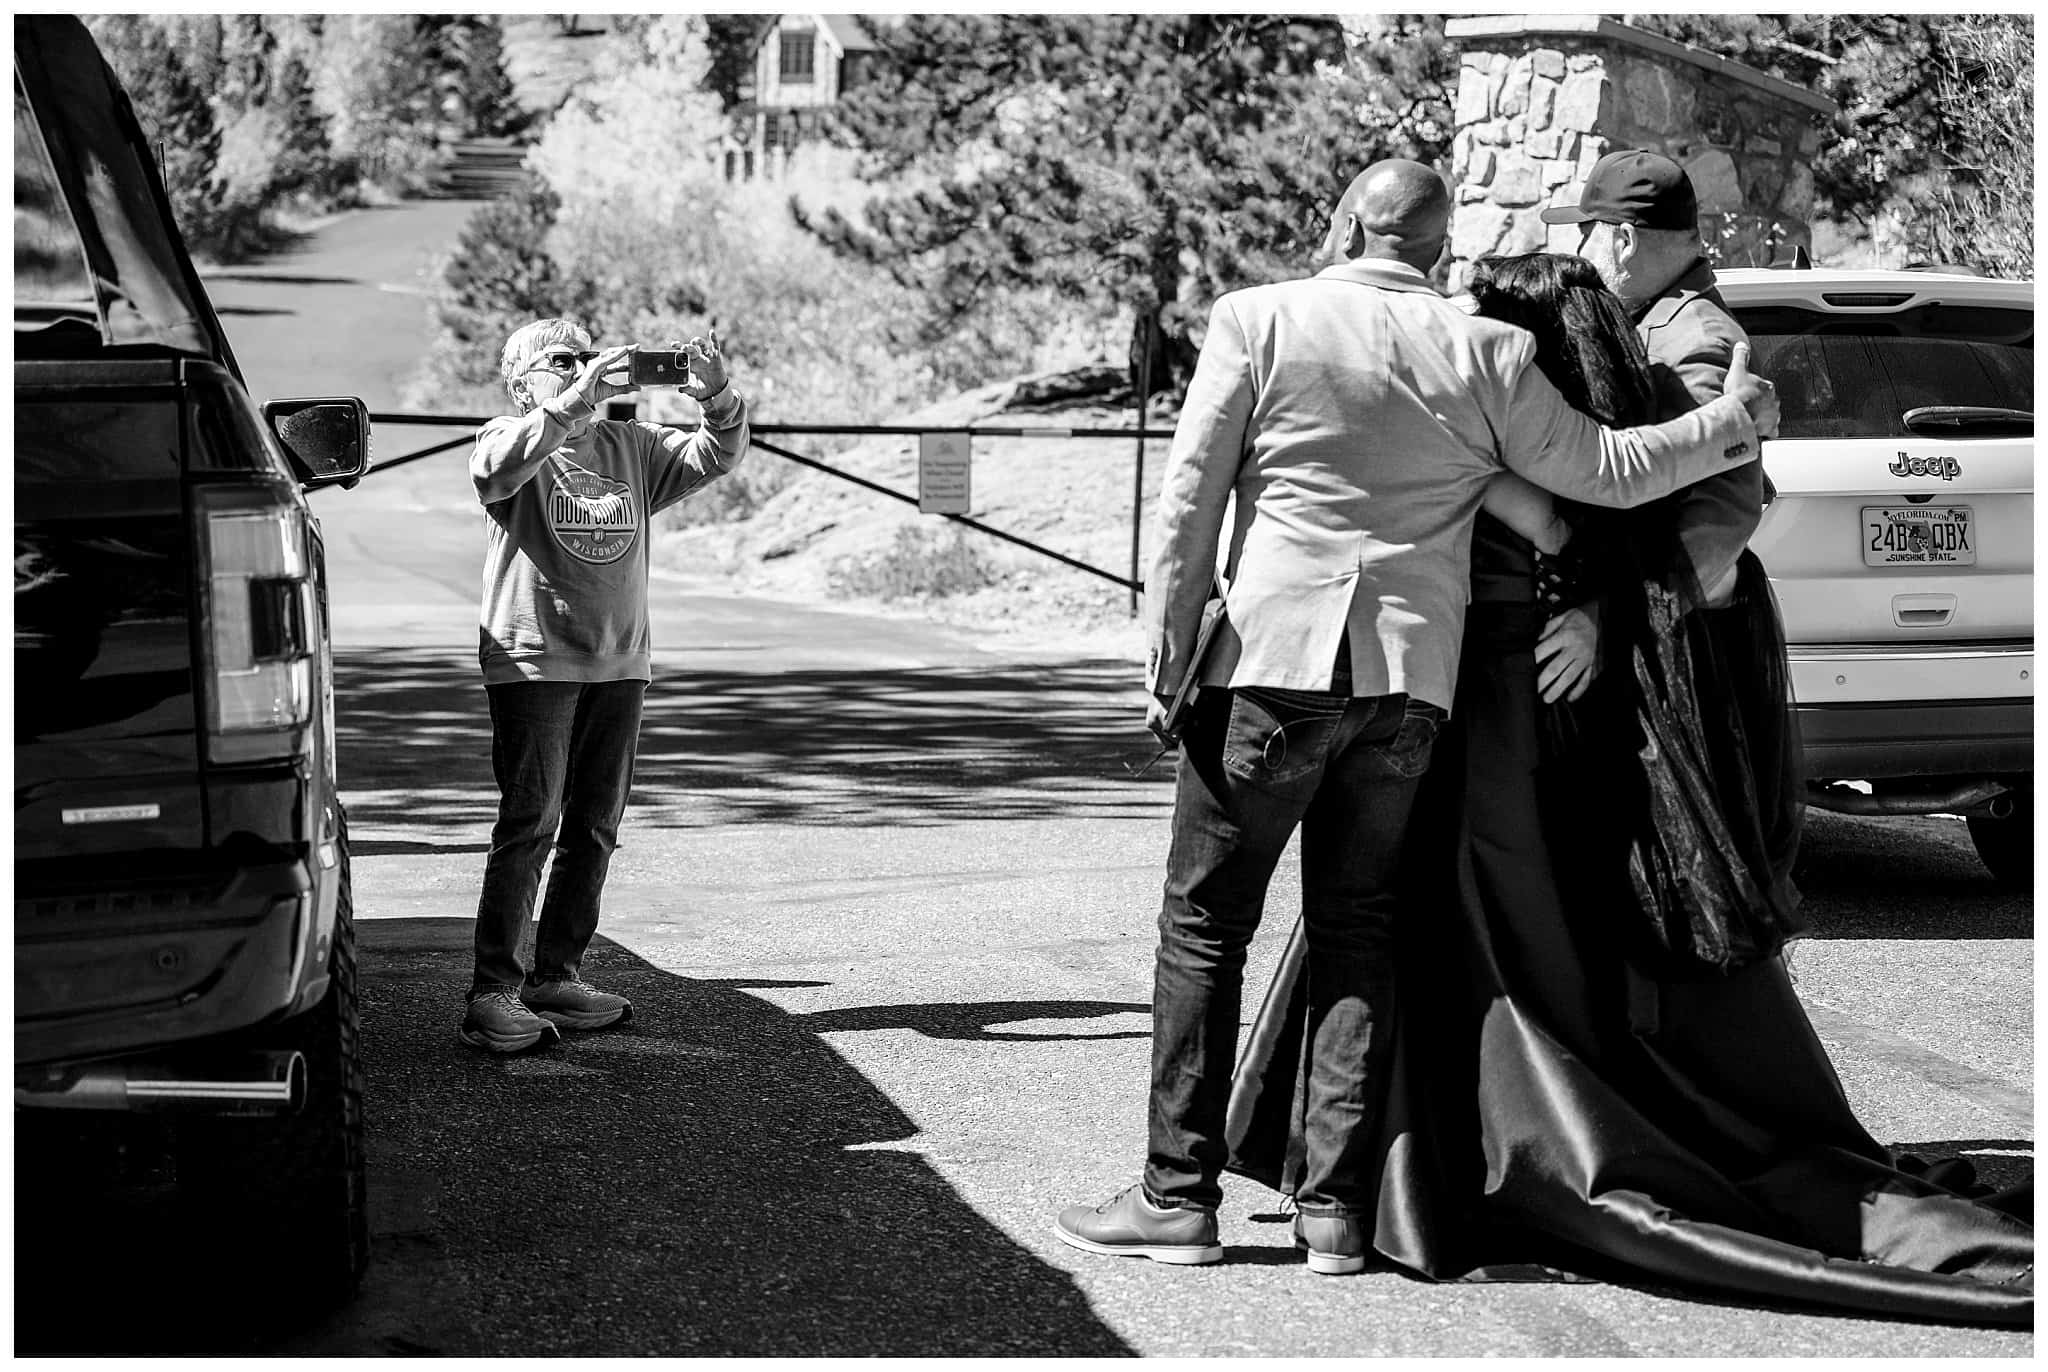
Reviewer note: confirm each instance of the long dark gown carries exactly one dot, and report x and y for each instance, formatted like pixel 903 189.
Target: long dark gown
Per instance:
pixel 1560 1103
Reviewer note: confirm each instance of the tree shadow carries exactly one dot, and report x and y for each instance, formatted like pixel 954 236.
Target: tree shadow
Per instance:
pixel 265 277
pixel 713 1180
pixel 971 1021
pixel 832 748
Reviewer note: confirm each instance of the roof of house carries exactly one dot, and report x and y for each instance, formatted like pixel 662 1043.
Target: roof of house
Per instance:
pixel 849 31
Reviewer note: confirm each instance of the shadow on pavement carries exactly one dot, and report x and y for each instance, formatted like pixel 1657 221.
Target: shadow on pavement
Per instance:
pixel 971 1021
pixel 268 277
pixel 1902 878
pixel 714 1180
pixel 903 747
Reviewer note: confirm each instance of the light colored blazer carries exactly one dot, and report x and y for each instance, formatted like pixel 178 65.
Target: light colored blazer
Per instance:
pixel 1691 338
pixel 1357 416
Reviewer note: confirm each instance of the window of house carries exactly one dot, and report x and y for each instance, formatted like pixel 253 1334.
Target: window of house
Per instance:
pixel 799 56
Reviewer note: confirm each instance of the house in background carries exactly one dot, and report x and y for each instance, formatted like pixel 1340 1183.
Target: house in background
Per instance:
pixel 803 63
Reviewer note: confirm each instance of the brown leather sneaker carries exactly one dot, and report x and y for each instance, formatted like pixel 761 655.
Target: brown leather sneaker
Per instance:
pixel 1335 1243
pixel 1129 1225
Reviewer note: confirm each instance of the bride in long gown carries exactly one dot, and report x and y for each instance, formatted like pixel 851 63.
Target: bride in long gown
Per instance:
pixel 1601 1067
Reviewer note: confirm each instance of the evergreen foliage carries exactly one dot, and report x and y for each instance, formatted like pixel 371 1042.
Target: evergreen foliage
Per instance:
pixel 247 50
pixel 1141 163
pixel 487 95
pixel 1978 206
pixel 305 160
pixel 1935 120
pixel 500 277
pixel 732 39
pixel 465 56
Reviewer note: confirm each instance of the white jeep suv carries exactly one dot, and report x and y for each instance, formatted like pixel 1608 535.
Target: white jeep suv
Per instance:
pixel 1900 540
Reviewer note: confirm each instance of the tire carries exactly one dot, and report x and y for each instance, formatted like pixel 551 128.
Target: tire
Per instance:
pixel 2006 845
pixel 287 1195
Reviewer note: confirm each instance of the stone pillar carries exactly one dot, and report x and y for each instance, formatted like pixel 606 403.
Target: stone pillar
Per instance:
pixel 1542 97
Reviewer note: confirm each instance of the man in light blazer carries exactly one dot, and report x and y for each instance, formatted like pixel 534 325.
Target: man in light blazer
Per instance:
pixel 1357 417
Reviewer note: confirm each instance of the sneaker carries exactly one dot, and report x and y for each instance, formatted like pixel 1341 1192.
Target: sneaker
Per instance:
pixel 498 1022
pixel 1130 1225
pixel 575 1004
pixel 1335 1243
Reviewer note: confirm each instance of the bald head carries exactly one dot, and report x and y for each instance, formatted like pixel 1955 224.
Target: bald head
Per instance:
pixel 1393 209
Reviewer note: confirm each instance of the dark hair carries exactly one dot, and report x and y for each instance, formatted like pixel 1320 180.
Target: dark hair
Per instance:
pixel 1585 343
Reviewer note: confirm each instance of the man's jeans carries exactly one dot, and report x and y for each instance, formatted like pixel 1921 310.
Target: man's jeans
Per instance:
pixel 563 755
pixel 1255 763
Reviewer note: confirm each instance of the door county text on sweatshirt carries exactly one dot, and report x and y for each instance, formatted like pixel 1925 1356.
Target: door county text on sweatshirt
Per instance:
pixel 567 501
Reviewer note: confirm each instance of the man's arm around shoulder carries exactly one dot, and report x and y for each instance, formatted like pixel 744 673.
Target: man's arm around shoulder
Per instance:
pixel 1562 450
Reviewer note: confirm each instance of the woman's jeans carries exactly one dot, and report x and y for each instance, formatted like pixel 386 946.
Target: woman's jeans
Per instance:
pixel 563 755
pixel 1256 762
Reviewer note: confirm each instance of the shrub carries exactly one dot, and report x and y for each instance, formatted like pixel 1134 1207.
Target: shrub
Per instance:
pixel 499 277
pixel 922 561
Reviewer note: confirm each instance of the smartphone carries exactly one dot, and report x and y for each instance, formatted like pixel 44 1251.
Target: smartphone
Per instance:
pixel 659 367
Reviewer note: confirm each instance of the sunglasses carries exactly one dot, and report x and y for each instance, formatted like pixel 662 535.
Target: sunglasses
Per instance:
pixel 566 363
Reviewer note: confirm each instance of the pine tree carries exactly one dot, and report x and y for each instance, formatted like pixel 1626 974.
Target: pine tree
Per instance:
pixel 1142 162
pixel 733 38
pixel 1977 207
pixel 1934 126
pixel 248 53
pixel 487 96
pixel 305 159
pixel 499 277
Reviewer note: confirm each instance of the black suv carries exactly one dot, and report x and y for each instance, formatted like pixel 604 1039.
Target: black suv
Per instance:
pixel 183 936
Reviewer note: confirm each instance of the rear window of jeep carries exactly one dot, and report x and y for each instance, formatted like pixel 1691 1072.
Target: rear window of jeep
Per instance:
pixel 1856 376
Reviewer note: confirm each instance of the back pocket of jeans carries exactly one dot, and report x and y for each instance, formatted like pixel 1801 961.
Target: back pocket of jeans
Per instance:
pixel 1276 736
pixel 1406 754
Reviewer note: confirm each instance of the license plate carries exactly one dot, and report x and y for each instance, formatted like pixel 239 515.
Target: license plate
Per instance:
pixel 1919 536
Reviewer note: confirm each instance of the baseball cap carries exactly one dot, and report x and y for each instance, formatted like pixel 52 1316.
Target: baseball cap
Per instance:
pixel 1633 187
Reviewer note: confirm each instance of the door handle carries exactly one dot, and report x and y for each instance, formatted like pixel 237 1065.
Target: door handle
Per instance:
pixel 1922 611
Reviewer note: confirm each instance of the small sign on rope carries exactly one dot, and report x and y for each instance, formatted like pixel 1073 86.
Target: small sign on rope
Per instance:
pixel 945 462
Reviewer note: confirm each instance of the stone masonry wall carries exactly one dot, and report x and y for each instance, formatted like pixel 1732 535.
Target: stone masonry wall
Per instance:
pixel 1537 107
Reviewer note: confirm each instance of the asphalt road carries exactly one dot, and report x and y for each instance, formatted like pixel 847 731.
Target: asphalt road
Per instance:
pixel 884 905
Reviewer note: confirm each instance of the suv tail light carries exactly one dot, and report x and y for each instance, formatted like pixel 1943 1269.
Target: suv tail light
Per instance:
pixel 256 609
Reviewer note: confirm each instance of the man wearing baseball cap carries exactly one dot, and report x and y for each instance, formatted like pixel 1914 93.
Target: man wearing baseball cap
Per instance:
pixel 1639 227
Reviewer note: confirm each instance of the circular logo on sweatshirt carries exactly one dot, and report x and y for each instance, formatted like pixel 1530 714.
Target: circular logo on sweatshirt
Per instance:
pixel 592 515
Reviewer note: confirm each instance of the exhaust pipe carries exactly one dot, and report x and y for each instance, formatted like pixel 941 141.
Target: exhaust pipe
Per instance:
pixel 247 1084
pixel 1844 801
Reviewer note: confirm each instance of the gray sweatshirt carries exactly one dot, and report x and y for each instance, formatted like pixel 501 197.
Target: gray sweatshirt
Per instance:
pixel 567 500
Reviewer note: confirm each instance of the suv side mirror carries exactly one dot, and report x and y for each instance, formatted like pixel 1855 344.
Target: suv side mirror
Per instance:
pixel 328 439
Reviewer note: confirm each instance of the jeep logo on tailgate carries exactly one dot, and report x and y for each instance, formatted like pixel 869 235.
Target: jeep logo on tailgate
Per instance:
pixel 1947 468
